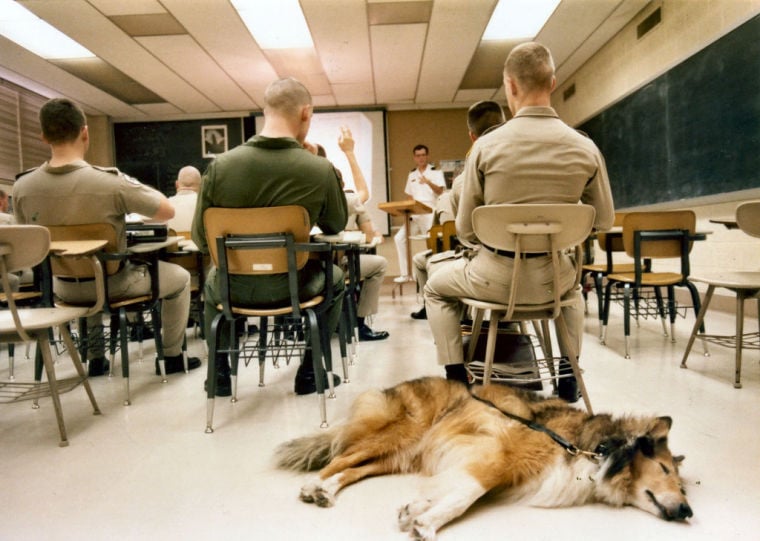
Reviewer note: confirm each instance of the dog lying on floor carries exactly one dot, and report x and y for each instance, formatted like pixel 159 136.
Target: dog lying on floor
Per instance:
pixel 471 442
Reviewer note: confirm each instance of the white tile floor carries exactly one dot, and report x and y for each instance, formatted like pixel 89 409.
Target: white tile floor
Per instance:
pixel 149 471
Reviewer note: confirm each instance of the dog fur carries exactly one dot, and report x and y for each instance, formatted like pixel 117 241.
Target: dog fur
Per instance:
pixel 468 447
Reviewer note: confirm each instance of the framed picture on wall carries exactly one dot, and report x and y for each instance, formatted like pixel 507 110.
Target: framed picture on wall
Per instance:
pixel 213 140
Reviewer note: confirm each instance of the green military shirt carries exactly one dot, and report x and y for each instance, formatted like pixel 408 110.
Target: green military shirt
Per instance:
pixel 272 172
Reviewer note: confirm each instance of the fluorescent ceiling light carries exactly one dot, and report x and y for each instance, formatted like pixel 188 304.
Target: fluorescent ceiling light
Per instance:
pixel 275 24
pixel 20 25
pixel 519 19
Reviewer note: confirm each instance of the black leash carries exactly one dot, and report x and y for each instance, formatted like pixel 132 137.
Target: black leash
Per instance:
pixel 566 445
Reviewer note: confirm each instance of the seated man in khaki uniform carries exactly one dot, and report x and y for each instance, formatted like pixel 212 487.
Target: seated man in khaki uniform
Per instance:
pixel 533 158
pixel 66 190
pixel 482 117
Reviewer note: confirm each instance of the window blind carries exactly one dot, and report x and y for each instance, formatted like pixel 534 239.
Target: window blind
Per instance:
pixel 20 145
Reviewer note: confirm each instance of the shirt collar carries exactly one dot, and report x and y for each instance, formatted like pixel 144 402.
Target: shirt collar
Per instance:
pixel 537 110
pixel 260 141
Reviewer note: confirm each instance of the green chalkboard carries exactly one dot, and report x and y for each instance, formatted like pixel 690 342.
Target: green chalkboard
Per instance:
pixel 693 131
pixel 153 152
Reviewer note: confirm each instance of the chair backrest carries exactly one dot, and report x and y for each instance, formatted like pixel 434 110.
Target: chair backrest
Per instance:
pixel 73 268
pixel 223 222
pixel 612 243
pixel 748 218
pixel 533 228
pixel 658 221
pixel 449 234
pixel 550 228
pixel 24 246
pixel 434 234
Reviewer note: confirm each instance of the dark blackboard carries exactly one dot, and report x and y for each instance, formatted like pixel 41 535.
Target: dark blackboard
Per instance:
pixel 693 131
pixel 153 152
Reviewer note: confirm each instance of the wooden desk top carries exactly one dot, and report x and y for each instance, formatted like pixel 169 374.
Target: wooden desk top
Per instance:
pixel 76 247
pixel 408 206
pixel 730 223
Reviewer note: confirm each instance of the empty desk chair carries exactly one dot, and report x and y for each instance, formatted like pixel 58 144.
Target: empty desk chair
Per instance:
pixel 25 246
pixel 653 235
pixel 610 243
pixel 744 284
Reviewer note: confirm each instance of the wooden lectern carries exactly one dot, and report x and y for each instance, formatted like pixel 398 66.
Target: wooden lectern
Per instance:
pixel 405 208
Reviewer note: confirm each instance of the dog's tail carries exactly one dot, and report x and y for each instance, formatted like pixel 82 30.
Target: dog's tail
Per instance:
pixel 306 454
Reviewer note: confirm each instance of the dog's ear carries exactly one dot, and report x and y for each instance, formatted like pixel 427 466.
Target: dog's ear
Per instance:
pixel 661 427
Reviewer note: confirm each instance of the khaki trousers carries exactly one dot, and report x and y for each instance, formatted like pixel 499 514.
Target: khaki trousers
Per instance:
pixel 133 281
pixel 372 270
pixel 487 277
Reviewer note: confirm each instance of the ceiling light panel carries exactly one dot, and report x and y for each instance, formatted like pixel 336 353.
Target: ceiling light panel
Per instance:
pixel 275 24
pixel 28 30
pixel 519 19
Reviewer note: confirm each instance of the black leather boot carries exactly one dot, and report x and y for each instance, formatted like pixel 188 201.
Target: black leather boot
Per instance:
pixel 457 372
pixel 567 387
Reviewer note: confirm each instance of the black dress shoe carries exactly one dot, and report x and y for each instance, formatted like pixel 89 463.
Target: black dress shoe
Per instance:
pixel 97 367
pixel 306 383
pixel 366 334
pixel 223 385
pixel 175 364
pixel 420 314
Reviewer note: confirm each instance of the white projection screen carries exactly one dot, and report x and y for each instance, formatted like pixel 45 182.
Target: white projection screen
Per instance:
pixel 368 129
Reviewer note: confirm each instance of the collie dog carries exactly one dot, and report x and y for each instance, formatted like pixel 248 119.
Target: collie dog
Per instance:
pixel 470 442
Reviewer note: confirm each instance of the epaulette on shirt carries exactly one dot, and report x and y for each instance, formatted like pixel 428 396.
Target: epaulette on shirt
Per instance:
pixel 115 171
pixel 22 173
pixel 112 170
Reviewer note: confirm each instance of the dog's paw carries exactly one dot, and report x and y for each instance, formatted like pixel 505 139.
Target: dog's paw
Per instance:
pixel 408 513
pixel 422 532
pixel 323 498
pixel 308 492
pixel 316 493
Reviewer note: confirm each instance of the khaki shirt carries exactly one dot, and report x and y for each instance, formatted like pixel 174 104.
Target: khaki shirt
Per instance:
pixel 80 193
pixel 534 158
pixel 357 212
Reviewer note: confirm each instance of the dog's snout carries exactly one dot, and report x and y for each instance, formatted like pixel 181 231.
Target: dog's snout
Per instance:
pixel 684 511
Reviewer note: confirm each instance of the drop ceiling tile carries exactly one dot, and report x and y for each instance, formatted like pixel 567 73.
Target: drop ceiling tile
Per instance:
pixel 159 24
pixel 218 29
pixel 186 58
pixel 447 52
pixel 127 7
pixel 396 58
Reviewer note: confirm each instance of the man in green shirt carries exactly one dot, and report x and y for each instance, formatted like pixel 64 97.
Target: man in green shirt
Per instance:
pixel 273 169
